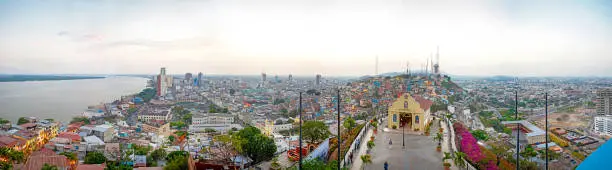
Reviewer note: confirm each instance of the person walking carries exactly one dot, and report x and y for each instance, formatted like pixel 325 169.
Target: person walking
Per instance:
pixel 386 165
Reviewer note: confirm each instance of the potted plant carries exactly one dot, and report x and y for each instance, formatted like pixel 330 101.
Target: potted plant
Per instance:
pixel 441 129
pixel 394 127
pixel 371 138
pixel 375 125
pixel 370 145
pixel 447 166
pixel 438 138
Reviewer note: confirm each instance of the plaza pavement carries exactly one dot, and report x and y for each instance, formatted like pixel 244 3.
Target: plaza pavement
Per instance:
pixel 419 153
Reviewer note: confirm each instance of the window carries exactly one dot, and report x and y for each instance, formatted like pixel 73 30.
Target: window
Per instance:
pixel 394 117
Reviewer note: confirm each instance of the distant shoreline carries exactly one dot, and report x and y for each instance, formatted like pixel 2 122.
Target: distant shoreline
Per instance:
pixel 24 78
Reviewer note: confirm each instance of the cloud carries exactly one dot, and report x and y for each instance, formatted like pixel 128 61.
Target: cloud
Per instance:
pixel 79 37
pixel 173 44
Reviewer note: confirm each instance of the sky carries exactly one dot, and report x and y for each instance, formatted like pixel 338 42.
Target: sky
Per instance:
pixel 306 37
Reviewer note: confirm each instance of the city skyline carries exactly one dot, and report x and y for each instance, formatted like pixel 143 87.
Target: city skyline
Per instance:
pixel 338 38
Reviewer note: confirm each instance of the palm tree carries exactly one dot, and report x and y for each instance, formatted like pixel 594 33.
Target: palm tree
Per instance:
pixel 447 156
pixel 459 159
pixel 438 138
pixel 366 159
pixel 49 167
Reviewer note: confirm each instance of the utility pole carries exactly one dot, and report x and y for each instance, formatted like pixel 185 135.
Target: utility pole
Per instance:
pixel 300 148
pixel 339 139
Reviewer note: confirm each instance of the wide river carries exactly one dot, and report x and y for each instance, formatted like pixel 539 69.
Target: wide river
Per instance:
pixel 64 99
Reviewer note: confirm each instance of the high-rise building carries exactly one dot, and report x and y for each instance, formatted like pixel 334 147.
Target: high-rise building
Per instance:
pixel 200 75
pixel 263 79
pixel 188 76
pixel 318 79
pixel 290 77
pixel 603 125
pixel 603 102
pixel 162 82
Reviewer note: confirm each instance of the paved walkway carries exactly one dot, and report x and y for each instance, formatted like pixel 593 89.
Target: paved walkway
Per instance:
pixel 419 151
pixel 357 163
pixel 446 146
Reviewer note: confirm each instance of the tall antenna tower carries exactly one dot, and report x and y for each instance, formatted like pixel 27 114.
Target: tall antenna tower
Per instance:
pixel 408 67
pixel 437 64
pixel 376 66
pixel 427 65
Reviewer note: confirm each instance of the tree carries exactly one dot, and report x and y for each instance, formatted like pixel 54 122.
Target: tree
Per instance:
pixel 259 148
pixel 22 120
pixel 529 152
pixel 132 110
pixel 151 162
pixel 4 121
pixel 187 118
pixel 232 91
pixel 275 165
pixel 71 156
pixel 210 130
pixel 6 166
pixel 500 151
pixel 50 120
pixel 228 146
pixel 459 159
pixel 178 124
pixel 16 156
pixel 49 167
pixel 171 138
pixel 94 158
pixel 80 119
pixel 480 135
pixel 212 109
pixel 315 131
pixel 178 162
pixel 349 123
pixel 447 156
pixel 158 154
pixel 366 159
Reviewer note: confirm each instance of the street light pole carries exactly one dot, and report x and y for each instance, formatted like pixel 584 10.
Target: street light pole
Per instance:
pixel 546 127
pixel 300 148
pixel 403 134
pixel 518 128
pixel 339 138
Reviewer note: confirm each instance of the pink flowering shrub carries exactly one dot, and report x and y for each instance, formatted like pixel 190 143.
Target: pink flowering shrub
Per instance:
pixel 467 143
pixel 492 166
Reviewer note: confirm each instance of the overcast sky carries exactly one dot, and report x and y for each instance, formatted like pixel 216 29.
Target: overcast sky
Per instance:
pixel 306 37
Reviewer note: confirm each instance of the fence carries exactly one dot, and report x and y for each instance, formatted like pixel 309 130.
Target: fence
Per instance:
pixel 355 145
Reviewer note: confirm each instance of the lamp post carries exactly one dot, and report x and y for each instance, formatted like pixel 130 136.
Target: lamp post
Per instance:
pixel 546 126
pixel 518 128
pixel 300 148
pixel 339 138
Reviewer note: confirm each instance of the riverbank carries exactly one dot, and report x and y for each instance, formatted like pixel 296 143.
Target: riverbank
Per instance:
pixel 19 78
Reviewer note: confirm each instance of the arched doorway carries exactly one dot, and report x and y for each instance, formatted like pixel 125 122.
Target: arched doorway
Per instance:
pixel 406 120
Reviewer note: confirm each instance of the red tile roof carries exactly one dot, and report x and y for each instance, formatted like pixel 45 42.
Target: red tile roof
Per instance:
pixel 46 156
pixel 70 135
pixel 425 104
pixel 7 141
pixel 28 125
pixel 90 167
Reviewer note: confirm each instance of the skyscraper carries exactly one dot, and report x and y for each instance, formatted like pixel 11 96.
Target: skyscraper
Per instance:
pixel 318 79
pixel 200 75
pixel 263 79
pixel 603 102
pixel 188 76
pixel 290 77
pixel 162 82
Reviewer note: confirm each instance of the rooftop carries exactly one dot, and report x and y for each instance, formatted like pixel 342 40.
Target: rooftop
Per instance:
pixel 535 131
